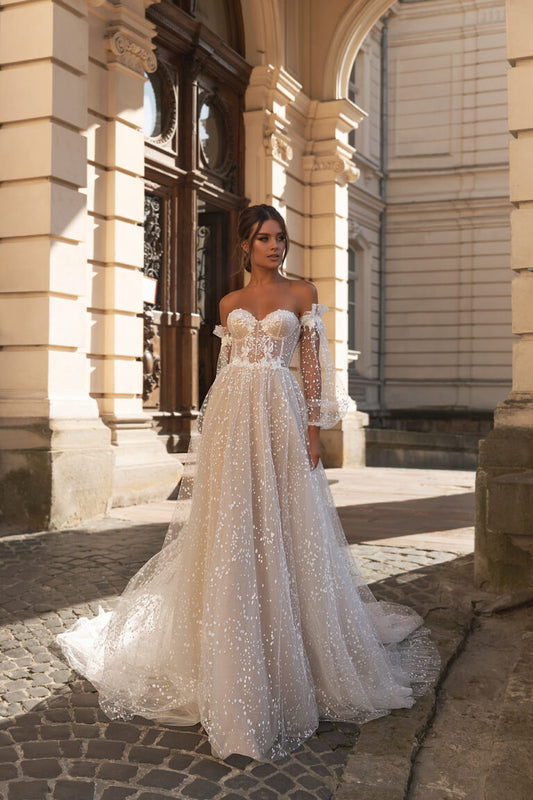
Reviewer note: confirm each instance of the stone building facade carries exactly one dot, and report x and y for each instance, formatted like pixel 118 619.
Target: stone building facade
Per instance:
pixel 171 117
pixel 429 232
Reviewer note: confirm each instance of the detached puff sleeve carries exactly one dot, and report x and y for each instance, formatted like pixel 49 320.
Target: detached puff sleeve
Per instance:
pixel 225 346
pixel 326 399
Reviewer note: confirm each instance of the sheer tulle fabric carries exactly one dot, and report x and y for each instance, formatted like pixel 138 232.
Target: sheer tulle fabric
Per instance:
pixel 255 620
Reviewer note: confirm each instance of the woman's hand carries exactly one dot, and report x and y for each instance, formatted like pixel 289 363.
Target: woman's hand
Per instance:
pixel 314 445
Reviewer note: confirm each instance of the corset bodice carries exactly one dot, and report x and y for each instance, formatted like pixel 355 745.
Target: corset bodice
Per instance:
pixel 269 342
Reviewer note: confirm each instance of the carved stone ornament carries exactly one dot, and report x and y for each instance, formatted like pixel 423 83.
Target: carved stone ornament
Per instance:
pixel 278 146
pixel 151 361
pixel 345 169
pixel 125 48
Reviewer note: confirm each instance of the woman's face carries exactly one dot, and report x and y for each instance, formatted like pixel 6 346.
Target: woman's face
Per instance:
pixel 268 246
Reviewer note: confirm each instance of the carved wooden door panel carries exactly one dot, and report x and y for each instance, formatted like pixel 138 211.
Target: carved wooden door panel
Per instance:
pixel 194 168
pixel 212 284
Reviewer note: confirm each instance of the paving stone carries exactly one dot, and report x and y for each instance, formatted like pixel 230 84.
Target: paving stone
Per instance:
pixel 263 794
pixel 74 790
pixel 85 700
pixel 243 782
pixel 213 770
pixel 152 796
pixel 280 783
pixel 263 770
pixel 8 754
pixel 179 740
pixel 8 772
pixel 180 761
pixel 5 738
pixel 59 731
pixel 150 736
pixel 122 732
pixel 71 749
pixel 294 769
pixel 162 779
pixel 233 796
pixel 117 772
pixel 310 781
pixel 238 761
pixel 104 748
pixel 41 749
pixel 82 769
pixel 41 768
pixel 117 792
pixel 30 790
pixel 201 789
pixel 87 716
pixel 300 794
pixel 83 731
pixel 148 755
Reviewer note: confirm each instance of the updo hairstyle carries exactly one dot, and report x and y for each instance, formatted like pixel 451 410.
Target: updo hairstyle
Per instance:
pixel 253 217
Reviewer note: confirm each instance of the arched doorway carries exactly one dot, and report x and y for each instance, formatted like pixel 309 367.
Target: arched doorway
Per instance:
pixel 194 191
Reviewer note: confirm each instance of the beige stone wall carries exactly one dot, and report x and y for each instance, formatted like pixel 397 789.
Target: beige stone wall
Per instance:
pixel 504 486
pixel 71 202
pixel 448 312
pixel 448 337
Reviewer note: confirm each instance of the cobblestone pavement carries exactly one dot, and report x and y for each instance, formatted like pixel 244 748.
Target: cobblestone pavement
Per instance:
pixel 54 740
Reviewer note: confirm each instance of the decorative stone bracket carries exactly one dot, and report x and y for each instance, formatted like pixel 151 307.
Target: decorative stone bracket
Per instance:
pixel 343 168
pixel 129 49
pixel 277 145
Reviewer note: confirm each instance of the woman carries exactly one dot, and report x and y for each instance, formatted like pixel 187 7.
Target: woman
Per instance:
pixel 254 619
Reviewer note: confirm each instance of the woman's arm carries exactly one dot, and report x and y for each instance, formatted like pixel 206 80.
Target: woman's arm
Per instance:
pixel 311 373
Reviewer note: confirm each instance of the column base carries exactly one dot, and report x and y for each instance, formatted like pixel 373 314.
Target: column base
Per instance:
pixel 53 473
pixel 144 472
pixel 344 444
pixel 504 508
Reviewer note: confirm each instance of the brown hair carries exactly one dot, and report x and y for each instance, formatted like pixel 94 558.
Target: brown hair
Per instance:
pixel 256 216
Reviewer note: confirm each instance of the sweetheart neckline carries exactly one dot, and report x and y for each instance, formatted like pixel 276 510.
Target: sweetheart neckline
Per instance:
pixel 288 310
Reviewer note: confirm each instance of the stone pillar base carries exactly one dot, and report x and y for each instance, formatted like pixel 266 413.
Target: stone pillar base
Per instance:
pixel 143 471
pixel 53 473
pixel 504 510
pixel 344 445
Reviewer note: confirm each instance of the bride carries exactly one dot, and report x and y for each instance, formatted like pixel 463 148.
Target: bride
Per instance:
pixel 253 618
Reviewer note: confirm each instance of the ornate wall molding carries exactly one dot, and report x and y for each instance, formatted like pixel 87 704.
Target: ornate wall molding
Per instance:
pixel 278 146
pixel 124 47
pixel 344 169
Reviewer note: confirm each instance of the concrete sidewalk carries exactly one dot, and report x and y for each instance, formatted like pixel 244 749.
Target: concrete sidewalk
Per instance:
pixel 412 535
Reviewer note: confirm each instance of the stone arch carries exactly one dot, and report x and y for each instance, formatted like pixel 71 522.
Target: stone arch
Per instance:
pixel 352 29
pixel 262 34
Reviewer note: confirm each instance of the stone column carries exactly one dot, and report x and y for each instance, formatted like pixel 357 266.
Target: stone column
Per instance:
pixel 504 490
pixel 55 453
pixel 268 137
pixel 328 168
pixel 122 52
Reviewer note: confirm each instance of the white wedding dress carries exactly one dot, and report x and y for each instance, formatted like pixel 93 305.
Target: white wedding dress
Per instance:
pixel 253 618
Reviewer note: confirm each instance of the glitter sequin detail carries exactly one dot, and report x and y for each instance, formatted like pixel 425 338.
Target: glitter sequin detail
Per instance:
pixel 253 618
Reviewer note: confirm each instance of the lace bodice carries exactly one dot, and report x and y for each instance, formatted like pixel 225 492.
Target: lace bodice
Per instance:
pixel 270 343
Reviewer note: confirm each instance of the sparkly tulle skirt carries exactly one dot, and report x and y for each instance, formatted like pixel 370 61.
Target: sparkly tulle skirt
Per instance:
pixel 253 618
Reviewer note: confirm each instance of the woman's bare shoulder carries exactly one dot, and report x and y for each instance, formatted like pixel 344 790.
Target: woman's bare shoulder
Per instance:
pixel 228 303
pixel 305 293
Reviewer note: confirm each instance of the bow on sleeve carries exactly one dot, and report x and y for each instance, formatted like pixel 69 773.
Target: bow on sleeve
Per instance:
pixel 326 398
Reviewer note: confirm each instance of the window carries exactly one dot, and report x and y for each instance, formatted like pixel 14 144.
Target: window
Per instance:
pixel 352 95
pixel 352 299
